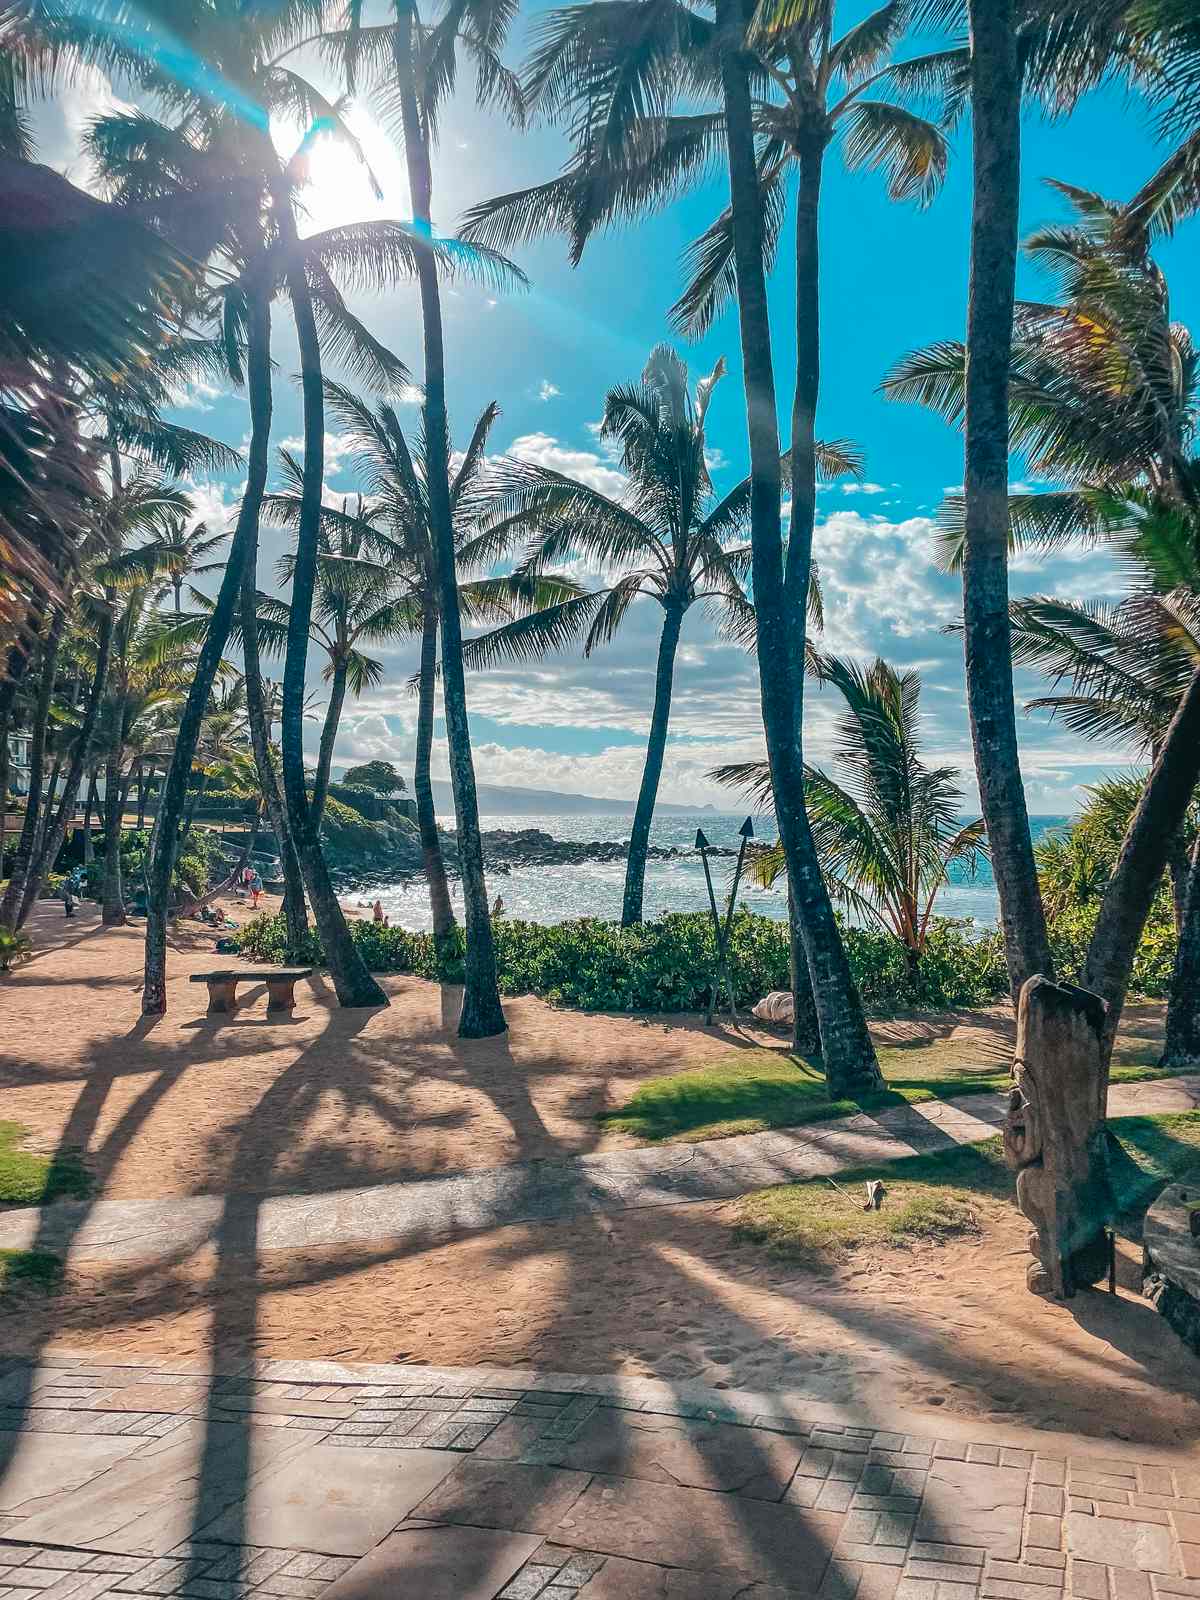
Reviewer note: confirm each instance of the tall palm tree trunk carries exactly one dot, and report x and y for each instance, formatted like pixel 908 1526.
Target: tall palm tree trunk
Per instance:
pixel 643 816
pixel 1135 878
pixel 112 897
pixel 141 789
pixel 352 982
pixel 441 910
pixel 5 723
pixel 173 790
pixel 90 807
pixel 996 103
pixel 1182 1045
pixel 481 1015
pixel 258 384
pixel 838 1006
pixel 56 830
pixel 849 1055
pixel 10 906
pixel 329 732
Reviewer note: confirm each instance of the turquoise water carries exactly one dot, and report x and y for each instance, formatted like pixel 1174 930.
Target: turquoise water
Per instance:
pixel 558 894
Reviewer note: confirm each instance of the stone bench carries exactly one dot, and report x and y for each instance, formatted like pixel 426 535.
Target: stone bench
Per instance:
pixel 223 981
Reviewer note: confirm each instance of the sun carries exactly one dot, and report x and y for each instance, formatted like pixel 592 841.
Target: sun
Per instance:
pixel 339 188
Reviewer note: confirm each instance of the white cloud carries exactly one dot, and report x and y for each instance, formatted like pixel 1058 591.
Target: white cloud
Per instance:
pixel 863 488
pixel 546 451
pixel 337 447
pixel 547 390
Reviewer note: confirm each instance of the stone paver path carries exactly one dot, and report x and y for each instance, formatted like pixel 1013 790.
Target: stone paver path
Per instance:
pixel 316 1481
pixel 439 1208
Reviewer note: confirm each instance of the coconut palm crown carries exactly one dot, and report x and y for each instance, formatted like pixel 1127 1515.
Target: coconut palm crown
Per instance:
pixel 667 538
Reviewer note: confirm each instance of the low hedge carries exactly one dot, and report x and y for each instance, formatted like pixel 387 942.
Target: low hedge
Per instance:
pixel 665 965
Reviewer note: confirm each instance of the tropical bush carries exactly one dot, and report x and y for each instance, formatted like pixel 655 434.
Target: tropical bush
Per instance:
pixel 200 858
pixel 665 965
pixel 1071 930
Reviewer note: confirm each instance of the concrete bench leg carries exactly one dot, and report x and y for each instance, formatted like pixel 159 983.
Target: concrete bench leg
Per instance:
pixel 281 994
pixel 222 995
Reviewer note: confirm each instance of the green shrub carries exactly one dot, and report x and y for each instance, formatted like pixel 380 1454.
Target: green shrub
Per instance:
pixel 666 964
pixel 1071 930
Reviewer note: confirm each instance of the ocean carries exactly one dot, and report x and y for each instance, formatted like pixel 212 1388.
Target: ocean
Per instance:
pixel 558 894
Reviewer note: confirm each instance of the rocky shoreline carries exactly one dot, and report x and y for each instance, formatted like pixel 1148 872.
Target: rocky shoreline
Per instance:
pixel 505 849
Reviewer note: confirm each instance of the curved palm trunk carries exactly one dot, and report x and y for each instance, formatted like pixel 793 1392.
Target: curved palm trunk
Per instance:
pixel 996 102
pixel 441 910
pixel 849 1054
pixel 25 854
pixel 806 1034
pixel 329 730
pixel 481 1014
pixel 173 791
pixel 1182 1046
pixel 258 369
pixel 352 982
pixel 846 1045
pixel 643 816
pixel 112 898
pixel 56 830
pixel 1134 881
pixel 192 805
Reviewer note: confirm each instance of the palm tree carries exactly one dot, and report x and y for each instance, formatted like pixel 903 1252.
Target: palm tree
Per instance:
pixel 186 551
pixel 1102 395
pixel 888 833
pixel 612 72
pixel 666 532
pixel 417 67
pixel 185 174
pixel 1055 49
pixel 383 581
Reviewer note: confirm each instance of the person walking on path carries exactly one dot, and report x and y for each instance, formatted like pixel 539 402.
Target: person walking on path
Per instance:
pixel 256 885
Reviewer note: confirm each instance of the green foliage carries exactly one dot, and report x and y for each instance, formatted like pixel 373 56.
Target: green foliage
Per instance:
pixel 1071 931
pixel 346 831
pixel 14 948
pixel 947 1193
pixel 36 1269
pixel 381 776
pixel 29 1180
pixel 665 965
pixel 200 858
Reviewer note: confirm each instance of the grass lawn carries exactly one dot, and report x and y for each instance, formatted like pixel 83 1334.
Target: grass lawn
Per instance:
pixel 751 1090
pixel 947 1193
pixel 29 1180
pixel 32 1269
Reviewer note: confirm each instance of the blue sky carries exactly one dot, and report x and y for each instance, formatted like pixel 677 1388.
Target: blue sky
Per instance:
pixel 893 277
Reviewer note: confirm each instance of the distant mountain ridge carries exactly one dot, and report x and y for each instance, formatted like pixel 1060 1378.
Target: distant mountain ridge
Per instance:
pixel 502 800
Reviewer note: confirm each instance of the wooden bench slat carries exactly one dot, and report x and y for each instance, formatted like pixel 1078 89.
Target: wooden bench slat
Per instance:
pixel 250 974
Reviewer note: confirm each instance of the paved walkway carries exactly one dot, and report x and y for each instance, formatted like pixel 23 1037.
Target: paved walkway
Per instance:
pixel 439 1208
pixel 315 1481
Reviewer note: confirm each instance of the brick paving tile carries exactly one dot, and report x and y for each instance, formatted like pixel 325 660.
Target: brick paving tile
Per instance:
pixel 943 1571
pixel 1128 1585
pixel 1022 1572
pixel 1005 1589
pixel 1190 1556
pixel 1045 1500
pixel 1047 1469
pixel 960 1555
pixel 1127 1513
pixel 1044 1531
pixel 1088 1581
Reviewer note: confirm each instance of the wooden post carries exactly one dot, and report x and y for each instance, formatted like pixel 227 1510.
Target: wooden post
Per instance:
pixel 1054 1135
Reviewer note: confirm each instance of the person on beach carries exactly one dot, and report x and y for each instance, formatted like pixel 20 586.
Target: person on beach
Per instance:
pixel 377 912
pixel 256 885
